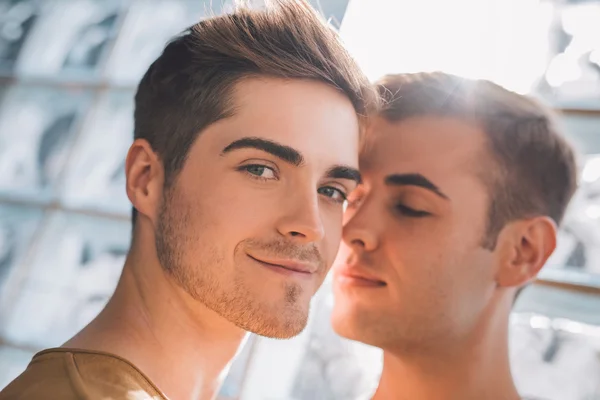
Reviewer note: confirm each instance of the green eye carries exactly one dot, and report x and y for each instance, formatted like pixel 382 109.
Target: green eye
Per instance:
pixel 333 193
pixel 257 170
pixel 260 171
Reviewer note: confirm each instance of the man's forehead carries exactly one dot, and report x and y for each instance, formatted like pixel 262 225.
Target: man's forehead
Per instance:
pixel 289 113
pixel 428 145
pixel 228 138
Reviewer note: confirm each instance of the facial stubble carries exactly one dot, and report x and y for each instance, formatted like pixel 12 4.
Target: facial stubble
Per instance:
pixel 176 236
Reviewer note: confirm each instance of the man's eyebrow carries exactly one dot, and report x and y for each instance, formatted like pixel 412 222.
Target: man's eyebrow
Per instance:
pixel 286 153
pixel 413 180
pixel 344 172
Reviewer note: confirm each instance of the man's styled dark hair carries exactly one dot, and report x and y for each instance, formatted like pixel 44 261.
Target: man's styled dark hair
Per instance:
pixel 190 86
pixel 533 168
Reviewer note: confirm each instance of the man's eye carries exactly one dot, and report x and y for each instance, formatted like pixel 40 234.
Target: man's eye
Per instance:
pixel 260 171
pixel 410 212
pixel 333 193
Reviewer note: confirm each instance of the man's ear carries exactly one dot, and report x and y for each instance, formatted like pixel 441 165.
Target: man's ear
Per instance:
pixel 524 246
pixel 145 178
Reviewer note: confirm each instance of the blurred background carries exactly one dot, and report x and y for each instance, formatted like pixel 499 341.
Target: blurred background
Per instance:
pixel 68 72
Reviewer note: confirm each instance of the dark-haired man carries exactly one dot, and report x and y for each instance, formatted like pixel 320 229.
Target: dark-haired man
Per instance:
pixel 246 146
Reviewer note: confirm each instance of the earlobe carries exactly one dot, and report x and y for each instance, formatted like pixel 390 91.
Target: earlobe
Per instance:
pixel 526 247
pixel 144 173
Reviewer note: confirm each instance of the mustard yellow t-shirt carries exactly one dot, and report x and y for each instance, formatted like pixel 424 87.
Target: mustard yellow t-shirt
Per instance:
pixel 72 374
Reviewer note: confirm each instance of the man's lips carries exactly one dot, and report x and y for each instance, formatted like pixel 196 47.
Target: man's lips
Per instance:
pixel 356 277
pixel 287 264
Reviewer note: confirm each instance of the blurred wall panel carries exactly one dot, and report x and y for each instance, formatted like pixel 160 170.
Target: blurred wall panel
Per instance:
pixel 37 130
pixel 18 226
pixel 150 24
pixel 95 176
pixel 82 32
pixel 17 19
pixel 75 270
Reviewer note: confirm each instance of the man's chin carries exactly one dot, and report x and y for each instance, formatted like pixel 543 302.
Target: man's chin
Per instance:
pixel 347 324
pixel 281 333
pixel 342 326
pixel 284 325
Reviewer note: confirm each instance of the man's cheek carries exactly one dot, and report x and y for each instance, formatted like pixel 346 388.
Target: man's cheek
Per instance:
pixel 332 242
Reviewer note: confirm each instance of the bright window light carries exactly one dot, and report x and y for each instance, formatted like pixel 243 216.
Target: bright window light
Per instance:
pixel 505 41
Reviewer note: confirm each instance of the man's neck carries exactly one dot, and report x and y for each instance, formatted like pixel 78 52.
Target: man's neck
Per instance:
pixel 183 347
pixel 474 368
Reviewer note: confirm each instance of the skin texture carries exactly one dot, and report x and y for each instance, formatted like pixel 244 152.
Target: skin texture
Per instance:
pixel 261 194
pixel 412 276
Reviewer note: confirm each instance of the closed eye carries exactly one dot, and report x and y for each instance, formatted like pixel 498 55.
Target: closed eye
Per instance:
pixel 411 212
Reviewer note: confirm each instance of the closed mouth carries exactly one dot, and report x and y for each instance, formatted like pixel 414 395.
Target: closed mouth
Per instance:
pixel 292 266
pixel 360 278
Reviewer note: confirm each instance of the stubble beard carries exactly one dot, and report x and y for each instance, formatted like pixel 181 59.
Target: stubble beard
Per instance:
pixel 234 302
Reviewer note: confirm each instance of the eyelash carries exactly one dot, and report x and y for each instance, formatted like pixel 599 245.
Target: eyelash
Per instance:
pixel 344 196
pixel 409 212
pixel 401 208
pixel 245 168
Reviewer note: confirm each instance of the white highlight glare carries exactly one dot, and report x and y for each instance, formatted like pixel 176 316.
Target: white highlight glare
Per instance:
pixel 591 170
pixel 501 40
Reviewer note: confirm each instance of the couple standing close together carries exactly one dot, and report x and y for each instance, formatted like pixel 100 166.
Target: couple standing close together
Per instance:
pixel 252 131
